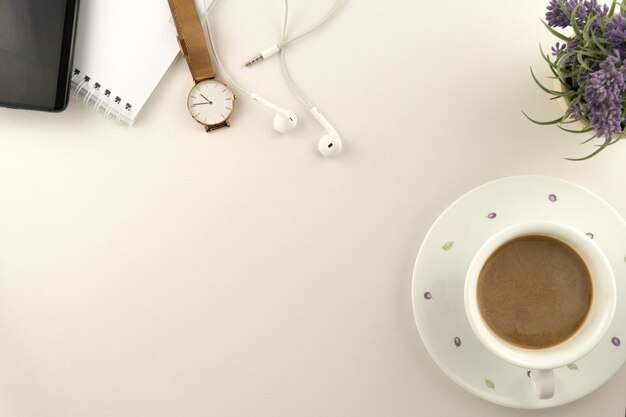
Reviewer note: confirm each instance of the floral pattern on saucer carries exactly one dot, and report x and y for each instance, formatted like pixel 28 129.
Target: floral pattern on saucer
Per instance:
pixel 440 269
pixel 447 246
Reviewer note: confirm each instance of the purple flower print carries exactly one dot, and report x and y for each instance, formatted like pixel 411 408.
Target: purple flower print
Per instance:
pixel 457 342
pixel 428 295
pixel 616 341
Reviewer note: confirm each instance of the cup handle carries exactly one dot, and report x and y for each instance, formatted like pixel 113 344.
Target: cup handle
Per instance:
pixel 543 381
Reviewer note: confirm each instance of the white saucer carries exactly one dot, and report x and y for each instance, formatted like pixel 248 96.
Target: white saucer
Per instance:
pixel 439 277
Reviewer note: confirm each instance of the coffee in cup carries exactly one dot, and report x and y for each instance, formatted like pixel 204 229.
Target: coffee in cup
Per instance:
pixel 540 295
pixel 534 291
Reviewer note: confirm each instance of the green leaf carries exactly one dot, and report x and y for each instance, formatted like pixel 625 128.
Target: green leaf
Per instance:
pixel 567 122
pixel 618 138
pixel 586 130
pixel 587 32
pixel 597 151
pixel 553 66
pixel 547 123
pixel 565 74
pixel 582 62
pixel 572 366
pixel 489 383
pixel 447 246
pixel 572 19
pixel 612 9
pixel 589 140
pixel 555 33
pixel 595 39
pixel 566 95
pixel 591 53
pixel 547 90
pixel 565 11
pixel 575 102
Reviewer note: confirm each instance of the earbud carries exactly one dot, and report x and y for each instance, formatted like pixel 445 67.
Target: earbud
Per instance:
pixel 330 144
pixel 284 120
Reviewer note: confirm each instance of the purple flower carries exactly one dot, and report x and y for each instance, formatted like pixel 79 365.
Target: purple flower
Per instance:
pixel 586 9
pixel 570 46
pixel 583 77
pixel 574 112
pixel 615 33
pixel 603 94
pixel 555 16
pixel 558 48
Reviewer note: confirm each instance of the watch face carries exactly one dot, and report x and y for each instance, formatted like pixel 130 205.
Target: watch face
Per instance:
pixel 210 102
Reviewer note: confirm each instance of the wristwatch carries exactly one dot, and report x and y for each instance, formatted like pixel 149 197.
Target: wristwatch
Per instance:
pixel 210 101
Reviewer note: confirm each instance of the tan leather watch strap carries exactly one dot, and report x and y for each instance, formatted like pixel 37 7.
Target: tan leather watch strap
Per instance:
pixel 193 44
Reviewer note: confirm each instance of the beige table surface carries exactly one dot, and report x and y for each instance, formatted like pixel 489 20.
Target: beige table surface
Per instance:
pixel 157 271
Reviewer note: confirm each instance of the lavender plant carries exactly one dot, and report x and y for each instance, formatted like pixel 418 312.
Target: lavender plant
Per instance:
pixel 589 63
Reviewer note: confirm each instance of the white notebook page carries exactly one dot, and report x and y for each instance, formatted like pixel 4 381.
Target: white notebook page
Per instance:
pixel 126 47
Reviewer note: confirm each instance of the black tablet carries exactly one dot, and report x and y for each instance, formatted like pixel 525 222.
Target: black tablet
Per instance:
pixel 36 48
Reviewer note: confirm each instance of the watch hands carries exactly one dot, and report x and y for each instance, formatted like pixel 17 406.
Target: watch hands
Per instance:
pixel 208 101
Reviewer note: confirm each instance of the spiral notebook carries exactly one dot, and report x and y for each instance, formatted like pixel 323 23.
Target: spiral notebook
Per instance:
pixel 123 50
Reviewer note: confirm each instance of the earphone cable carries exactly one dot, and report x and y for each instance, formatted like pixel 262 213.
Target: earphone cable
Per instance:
pixel 319 24
pixel 283 61
pixel 209 34
pixel 283 64
pixel 284 42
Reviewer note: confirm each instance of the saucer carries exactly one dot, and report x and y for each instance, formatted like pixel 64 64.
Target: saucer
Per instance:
pixel 439 278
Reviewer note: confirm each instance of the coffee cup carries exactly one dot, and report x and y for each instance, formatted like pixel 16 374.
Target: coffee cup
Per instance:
pixel 540 362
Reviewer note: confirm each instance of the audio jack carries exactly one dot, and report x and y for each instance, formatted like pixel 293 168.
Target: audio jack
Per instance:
pixel 254 60
pixel 272 50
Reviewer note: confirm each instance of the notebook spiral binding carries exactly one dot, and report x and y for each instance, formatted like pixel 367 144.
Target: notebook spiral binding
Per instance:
pixel 102 98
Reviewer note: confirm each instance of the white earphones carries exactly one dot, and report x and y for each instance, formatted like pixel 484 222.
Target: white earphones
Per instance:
pixel 330 144
pixel 284 120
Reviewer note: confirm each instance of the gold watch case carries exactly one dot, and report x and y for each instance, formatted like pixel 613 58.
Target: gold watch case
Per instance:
pixel 209 123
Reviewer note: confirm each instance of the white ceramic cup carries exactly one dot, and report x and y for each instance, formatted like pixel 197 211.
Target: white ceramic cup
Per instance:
pixel 542 362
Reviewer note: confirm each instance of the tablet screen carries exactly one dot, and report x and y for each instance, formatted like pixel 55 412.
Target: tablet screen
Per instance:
pixel 35 52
